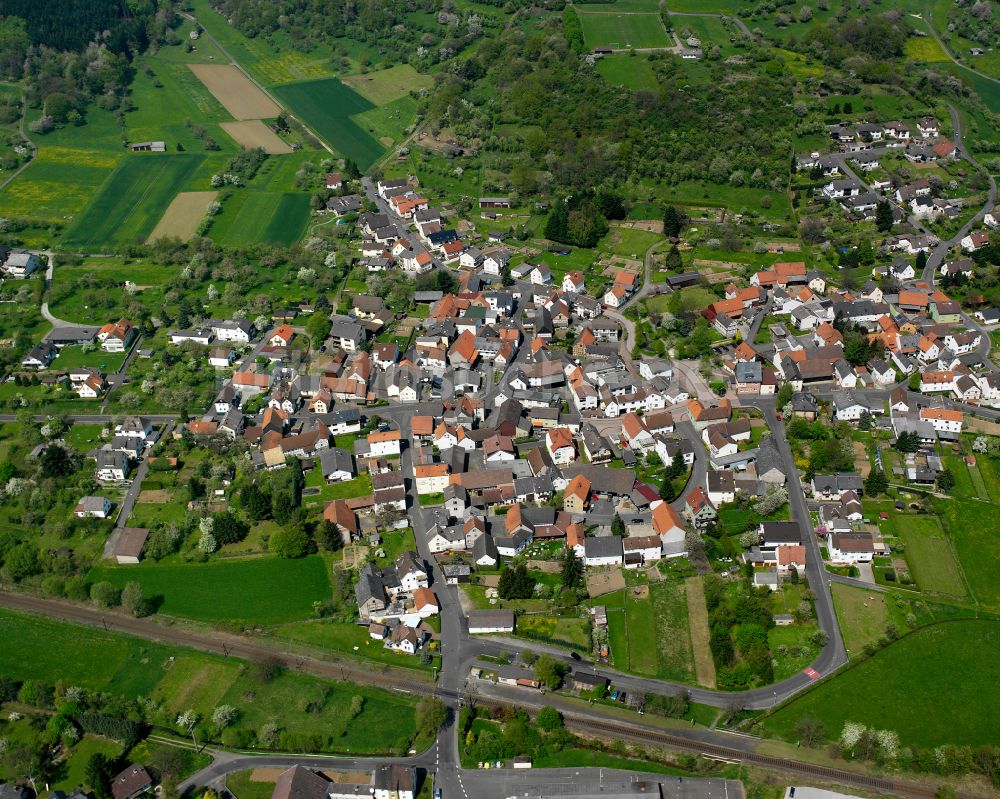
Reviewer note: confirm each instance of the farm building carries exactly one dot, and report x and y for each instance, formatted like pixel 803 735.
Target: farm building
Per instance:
pixel 148 147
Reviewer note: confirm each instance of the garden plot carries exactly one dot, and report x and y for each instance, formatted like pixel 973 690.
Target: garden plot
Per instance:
pixel 236 91
pixel 604 581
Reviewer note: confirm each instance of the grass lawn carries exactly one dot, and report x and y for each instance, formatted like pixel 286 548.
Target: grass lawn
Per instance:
pixel 389 122
pixel 924 49
pixel 709 30
pixel 629 242
pixel 348 489
pixel 164 100
pixel 911 687
pixel 930 555
pixel 386 722
pixel 250 216
pixel 972 528
pixel 84 437
pixel 641 633
pixel 240 785
pixel 271 60
pixel 673 631
pixel 132 200
pixel 84 656
pixel 73 357
pixel 347 639
pixel 863 615
pixel 431 499
pixel 651 636
pixel 71 163
pixel 327 106
pixel 622 30
pixel 988 470
pixel 75 775
pixel 732 197
pixel 632 72
pixel 573 632
pixel 964 486
pixel 192 681
pixel 704 664
pixel 385 85
pixel 259 590
pixel 799 652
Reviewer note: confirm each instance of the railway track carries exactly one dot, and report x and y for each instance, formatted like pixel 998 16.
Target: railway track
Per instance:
pixel 815 771
pixel 233 646
pixel 586 725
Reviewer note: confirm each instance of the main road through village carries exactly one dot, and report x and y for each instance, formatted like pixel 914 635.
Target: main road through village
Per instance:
pixel 460 650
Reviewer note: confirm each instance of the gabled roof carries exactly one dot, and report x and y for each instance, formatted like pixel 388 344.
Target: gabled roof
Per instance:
pixel 665 518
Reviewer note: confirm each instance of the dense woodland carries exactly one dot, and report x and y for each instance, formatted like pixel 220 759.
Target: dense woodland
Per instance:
pixel 73 24
pixel 70 54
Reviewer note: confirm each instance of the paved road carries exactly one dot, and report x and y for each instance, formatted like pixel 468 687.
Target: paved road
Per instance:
pixel 936 258
pixel 833 654
pixel 453 637
pixel 117 378
pixel 129 500
pixel 648 288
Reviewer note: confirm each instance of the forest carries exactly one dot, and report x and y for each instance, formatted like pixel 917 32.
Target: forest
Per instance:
pixel 72 24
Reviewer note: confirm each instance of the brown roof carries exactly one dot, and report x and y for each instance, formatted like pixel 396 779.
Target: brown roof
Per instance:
pixel 300 783
pixel 638 542
pixel 483 478
pixel 134 779
pixel 578 486
pixel 424 596
pixel 665 518
pixel 559 437
pixel 913 298
pixel 465 346
pixel 422 425
pixel 131 542
pixel 853 542
pixel 340 514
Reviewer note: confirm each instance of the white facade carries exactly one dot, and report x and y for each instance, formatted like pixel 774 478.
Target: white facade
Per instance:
pixel 382 446
pixel 434 484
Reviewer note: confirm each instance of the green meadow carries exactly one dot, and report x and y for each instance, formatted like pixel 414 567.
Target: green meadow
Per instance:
pixel 632 72
pixel 258 590
pixel 184 679
pixel 912 687
pixel 250 217
pixel 132 200
pixel 622 30
pixel 328 107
